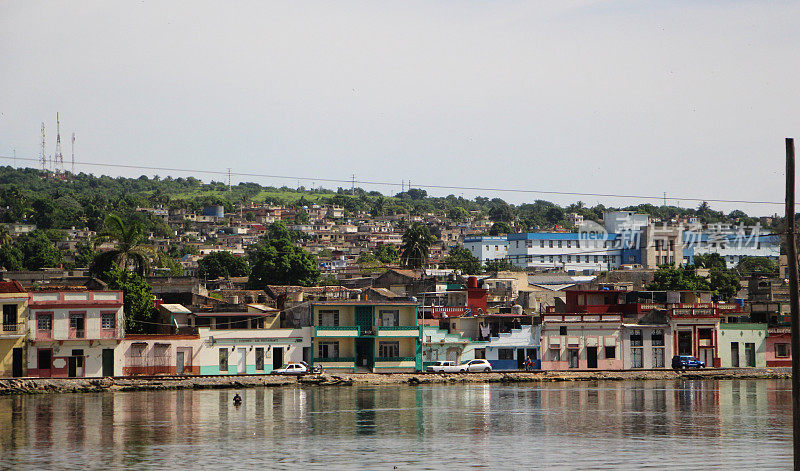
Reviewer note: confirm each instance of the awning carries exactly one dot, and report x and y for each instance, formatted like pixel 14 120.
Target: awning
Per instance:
pixel 591 341
pixel 573 342
pixel 610 341
pixel 555 342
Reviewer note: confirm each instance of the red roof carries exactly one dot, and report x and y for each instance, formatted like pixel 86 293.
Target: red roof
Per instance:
pixel 11 287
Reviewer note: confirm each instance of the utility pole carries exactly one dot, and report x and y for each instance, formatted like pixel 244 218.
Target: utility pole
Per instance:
pixel 353 188
pixel 794 301
pixel 43 157
pixel 229 179
pixel 73 153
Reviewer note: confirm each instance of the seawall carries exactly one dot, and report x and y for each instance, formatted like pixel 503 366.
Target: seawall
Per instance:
pixel 9 386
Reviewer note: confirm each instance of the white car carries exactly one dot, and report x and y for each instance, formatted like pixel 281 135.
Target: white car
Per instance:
pixel 292 369
pixel 443 367
pixel 474 366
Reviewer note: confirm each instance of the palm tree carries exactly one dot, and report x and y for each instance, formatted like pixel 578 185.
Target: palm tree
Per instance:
pixel 130 252
pixel 417 242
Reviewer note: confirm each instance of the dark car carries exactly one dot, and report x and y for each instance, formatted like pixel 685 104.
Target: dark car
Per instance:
pixel 682 362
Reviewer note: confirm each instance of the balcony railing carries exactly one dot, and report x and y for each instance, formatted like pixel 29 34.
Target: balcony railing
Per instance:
pixel 395 359
pixel 399 331
pixel 337 331
pixel 12 329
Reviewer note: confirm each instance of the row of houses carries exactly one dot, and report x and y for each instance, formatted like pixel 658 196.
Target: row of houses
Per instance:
pixel 74 332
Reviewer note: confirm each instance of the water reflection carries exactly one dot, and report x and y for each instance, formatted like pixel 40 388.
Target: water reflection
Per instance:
pixel 680 424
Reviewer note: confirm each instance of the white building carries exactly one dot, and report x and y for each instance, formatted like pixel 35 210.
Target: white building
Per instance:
pixel 567 251
pixel 487 248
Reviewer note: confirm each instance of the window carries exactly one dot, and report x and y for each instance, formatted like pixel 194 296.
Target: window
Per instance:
pixel 137 350
pixel 555 354
pixel 782 350
pixel 109 320
pixel 569 244
pixel 550 242
pixel 76 324
pixel 329 318
pixel 574 357
pixel 636 358
pixel 223 360
pixel 259 358
pixel 9 317
pixel 551 259
pixel 541 258
pixel 657 338
pixel 569 258
pixel 596 259
pixel 389 349
pixel 562 330
pixel 505 354
pixel 578 243
pixel 611 353
pixel 560 259
pixel 658 358
pixel 389 318
pixel 636 338
pixel 202 322
pixel 541 243
pixel 559 244
pixel 329 350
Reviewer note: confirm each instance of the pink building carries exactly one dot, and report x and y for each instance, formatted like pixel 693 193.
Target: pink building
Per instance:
pixel 74 333
pixel 779 351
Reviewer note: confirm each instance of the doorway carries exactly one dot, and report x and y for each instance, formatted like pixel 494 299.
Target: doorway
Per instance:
pixel 735 354
pixel 591 357
pixel 277 357
pixel 364 319
pixel 44 357
pixel 16 362
pixel 179 362
pixel 365 352
pixel 750 354
pixel 108 362
pixel 242 361
pixel 520 358
pixel 685 342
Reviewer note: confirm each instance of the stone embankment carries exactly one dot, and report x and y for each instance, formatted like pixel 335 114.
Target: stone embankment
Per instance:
pixel 10 386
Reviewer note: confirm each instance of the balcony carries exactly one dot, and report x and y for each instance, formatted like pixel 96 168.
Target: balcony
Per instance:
pixel 12 330
pixel 337 331
pixel 77 334
pixel 399 331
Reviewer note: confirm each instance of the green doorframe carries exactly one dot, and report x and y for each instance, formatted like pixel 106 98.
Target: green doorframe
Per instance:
pixel 364 317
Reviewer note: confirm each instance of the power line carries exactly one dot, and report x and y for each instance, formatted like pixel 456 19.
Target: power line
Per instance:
pixel 353 181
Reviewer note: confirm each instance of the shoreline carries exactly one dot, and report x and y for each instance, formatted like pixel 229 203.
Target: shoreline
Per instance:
pixel 17 386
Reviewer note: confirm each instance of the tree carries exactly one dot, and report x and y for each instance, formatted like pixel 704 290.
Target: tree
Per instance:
pixel 458 214
pixel 459 258
pixel 725 283
pixel 710 261
pixel 10 257
pixel 84 254
pixel 130 252
pixel 416 246
pixel 758 266
pixel 668 277
pixel 222 264
pixel 38 251
pixel 499 228
pixel 275 260
pixel 140 313
pixel 500 211
pixel 387 253
pixel 499 265
pixel 554 215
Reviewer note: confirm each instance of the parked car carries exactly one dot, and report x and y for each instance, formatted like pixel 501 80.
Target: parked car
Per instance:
pixel 443 367
pixel 682 362
pixel 299 368
pixel 473 366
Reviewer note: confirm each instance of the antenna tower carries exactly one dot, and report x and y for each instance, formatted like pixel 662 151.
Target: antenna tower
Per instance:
pixel 43 157
pixel 58 160
pixel 73 153
pixel 229 179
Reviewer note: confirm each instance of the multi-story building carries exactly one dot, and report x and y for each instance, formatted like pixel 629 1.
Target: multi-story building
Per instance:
pixel 566 251
pixel 75 333
pixel 14 330
pixel 487 249
pixel 369 335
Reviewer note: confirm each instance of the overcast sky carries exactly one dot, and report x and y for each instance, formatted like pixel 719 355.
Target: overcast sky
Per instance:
pixel 690 98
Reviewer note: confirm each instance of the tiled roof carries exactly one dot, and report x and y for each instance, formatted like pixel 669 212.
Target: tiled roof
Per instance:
pixel 11 287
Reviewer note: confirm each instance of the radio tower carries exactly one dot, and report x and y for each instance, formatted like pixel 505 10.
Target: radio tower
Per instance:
pixel 43 157
pixel 73 153
pixel 58 160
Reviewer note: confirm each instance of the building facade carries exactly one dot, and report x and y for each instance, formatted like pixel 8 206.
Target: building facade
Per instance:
pixel 14 331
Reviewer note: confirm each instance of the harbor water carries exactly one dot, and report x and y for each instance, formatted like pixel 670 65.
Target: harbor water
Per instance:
pixel 681 424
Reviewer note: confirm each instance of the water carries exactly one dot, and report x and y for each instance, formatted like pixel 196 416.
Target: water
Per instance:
pixel 602 425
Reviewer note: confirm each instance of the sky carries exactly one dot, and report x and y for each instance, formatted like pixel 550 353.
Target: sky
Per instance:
pixel 689 98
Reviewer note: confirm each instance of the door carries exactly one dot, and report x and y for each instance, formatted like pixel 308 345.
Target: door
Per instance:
pixel 520 358
pixel 685 343
pixel 16 363
pixel 750 354
pixel 277 357
pixel 108 362
pixel 242 361
pixel 364 318
pixel 735 354
pixel 365 352
pixel 591 357
pixel 44 362
pixel 72 368
pixel 179 362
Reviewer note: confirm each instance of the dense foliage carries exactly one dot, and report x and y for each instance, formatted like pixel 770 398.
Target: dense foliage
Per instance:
pixel 417 241
pixel 140 313
pixel 276 260
pixel 222 264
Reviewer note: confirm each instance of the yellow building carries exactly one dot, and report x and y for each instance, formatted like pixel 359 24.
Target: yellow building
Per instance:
pixel 14 302
pixel 375 336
